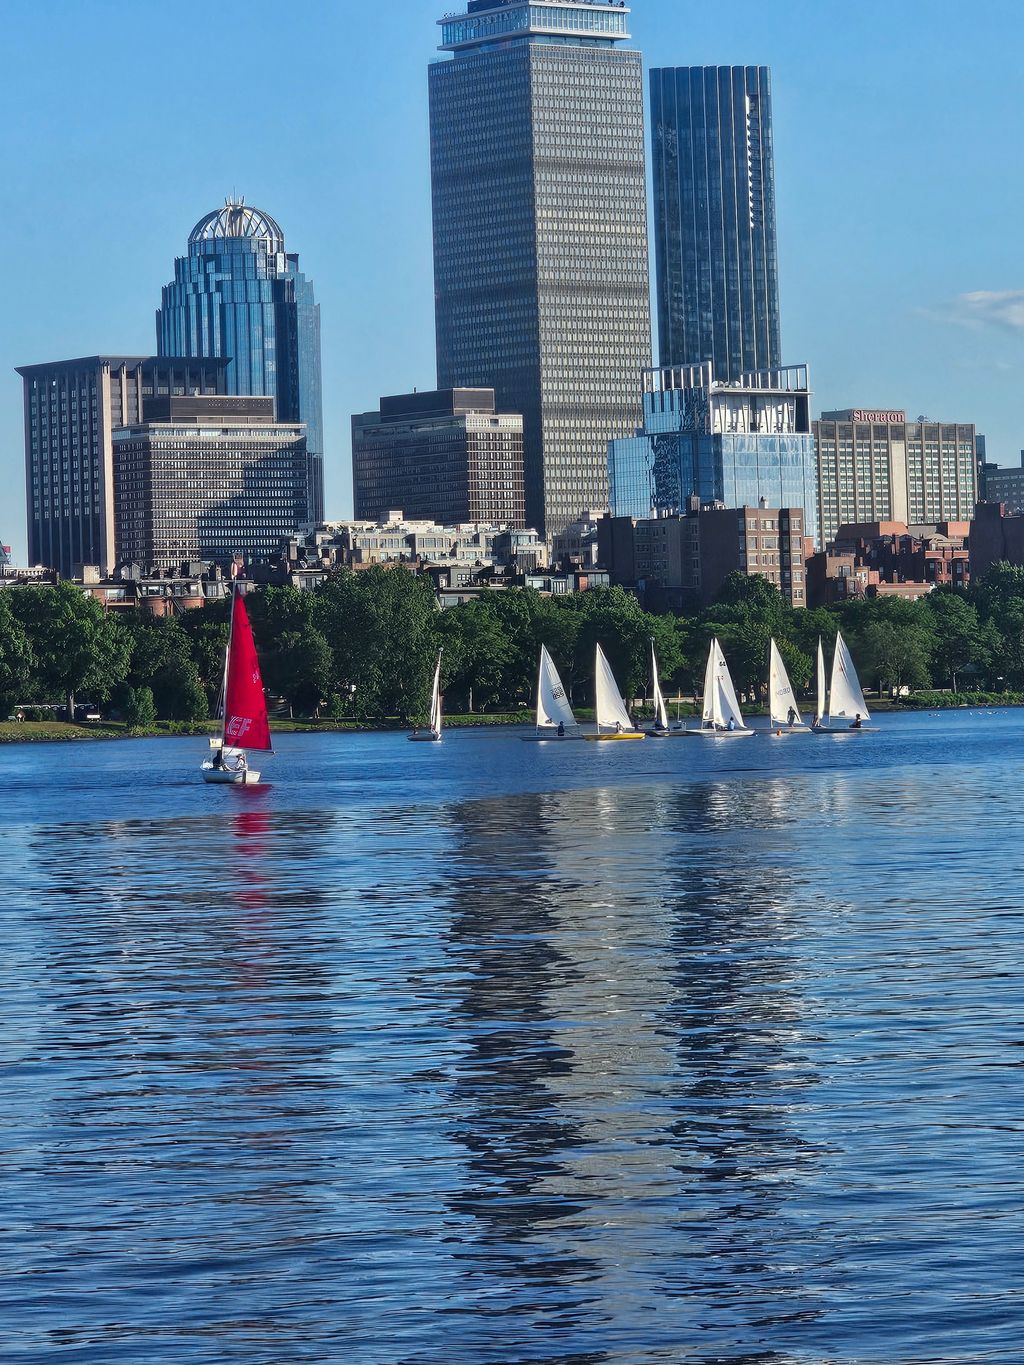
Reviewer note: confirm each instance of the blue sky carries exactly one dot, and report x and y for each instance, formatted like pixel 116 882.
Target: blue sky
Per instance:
pixel 899 131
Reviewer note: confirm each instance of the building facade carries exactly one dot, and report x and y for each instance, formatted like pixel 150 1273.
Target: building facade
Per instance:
pixel 714 218
pixel 874 465
pixel 680 563
pixel 238 294
pixel 1005 486
pixel 72 408
pixel 540 232
pixel 734 444
pixel 207 479
pixel 445 456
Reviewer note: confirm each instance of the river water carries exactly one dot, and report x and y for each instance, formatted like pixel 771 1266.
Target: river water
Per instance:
pixel 494 1052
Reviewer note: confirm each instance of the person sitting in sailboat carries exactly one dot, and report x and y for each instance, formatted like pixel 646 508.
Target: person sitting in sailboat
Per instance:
pixel 858 724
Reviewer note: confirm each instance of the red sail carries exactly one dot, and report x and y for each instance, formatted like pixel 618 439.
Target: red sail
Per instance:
pixel 245 708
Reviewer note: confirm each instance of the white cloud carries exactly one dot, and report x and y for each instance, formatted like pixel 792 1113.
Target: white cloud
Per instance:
pixel 991 308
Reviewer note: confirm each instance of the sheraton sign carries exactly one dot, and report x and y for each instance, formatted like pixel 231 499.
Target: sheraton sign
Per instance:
pixel 891 417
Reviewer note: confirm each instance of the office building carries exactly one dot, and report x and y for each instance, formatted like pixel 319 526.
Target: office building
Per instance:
pixel 71 410
pixel 540 233
pixel 714 218
pixel 207 479
pixel 1004 485
pixel 874 465
pixel 445 456
pixel 680 563
pixel 730 443
pixel 238 294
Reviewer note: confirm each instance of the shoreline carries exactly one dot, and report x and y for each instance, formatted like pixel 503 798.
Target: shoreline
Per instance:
pixel 65 732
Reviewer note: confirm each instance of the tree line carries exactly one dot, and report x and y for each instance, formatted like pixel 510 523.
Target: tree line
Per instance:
pixel 361 646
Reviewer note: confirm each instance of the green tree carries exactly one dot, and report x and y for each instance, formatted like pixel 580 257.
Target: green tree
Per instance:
pixel 300 666
pixel 77 646
pixel 961 640
pixel 16 658
pixel 896 655
pixel 138 710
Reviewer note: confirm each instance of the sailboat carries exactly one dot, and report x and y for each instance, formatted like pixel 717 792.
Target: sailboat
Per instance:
pixel 433 734
pixel 846 697
pixel 819 714
pixel 722 717
pixel 246 724
pixel 782 704
pixel 555 719
pixel 660 729
pixel 613 720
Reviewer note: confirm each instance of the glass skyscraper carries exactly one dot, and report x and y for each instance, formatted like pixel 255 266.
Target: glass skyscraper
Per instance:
pixel 731 443
pixel 540 233
pixel 714 218
pixel 240 295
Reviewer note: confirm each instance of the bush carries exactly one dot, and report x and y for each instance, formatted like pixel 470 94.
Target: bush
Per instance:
pixel 138 709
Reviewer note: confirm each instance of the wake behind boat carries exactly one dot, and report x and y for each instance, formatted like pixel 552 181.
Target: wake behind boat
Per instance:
pixel 613 720
pixel 555 719
pixel 246 724
pixel 722 718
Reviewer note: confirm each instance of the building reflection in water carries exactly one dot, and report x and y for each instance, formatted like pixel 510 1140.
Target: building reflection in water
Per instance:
pixel 630 1096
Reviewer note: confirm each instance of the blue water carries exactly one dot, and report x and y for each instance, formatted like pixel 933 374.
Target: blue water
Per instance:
pixel 493 1052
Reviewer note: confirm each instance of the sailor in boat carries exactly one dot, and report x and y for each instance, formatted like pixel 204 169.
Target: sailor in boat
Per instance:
pixel 792 718
pixel 618 727
pixel 816 723
pixel 858 724
pixel 561 729
pixel 732 724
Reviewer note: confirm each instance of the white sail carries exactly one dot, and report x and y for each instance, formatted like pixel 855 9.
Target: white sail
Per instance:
pixel 660 711
pixel 783 699
pixel 611 710
pixel 553 707
pixel 720 701
pixel 846 700
pixel 435 699
pixel 821 681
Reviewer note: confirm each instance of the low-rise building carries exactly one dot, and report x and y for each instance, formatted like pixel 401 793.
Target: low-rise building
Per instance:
pixel 1004 486
pixel 997 536
pixel 890 558
pixel 679 563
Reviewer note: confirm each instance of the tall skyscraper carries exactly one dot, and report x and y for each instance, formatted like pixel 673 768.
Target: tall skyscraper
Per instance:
pixel 714 218
pixel 240 295
pixel 540 233
pixel 72 408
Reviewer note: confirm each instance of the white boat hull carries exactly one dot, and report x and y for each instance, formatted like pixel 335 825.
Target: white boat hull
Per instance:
pixel 248 777
pixel 719 734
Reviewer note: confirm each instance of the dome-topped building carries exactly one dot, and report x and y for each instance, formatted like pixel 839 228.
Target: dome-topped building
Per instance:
pixel 237 220
pixel 240 296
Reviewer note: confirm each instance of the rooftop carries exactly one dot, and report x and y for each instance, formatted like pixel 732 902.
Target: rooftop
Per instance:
pixel 237 219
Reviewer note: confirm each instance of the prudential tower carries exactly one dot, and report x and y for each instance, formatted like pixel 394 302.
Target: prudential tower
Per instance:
pixel 540 232
pixel 239 295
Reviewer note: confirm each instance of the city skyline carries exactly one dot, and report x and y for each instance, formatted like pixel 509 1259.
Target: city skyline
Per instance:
pixel 897 255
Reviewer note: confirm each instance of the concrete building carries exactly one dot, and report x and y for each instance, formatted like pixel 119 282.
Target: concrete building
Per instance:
pixel 207 479
pixel 874 465
pixel 540 232
pixel 1004 486
pixel 714 218
pixel 238 294
pixel 447 456
pixel 731 443
pixel 680 562
pixel 71 410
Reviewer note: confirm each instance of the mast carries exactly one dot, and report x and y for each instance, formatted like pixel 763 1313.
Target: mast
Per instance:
pixel 227 665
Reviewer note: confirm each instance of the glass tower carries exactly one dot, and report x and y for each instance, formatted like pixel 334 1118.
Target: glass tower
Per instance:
pixel 238 294
pixel 540 233
pixel 714 218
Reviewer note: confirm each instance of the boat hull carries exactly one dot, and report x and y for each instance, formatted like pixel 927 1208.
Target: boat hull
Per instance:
pixel 719 734
pixel 222 777
pixel 626 734
pixel 425 739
